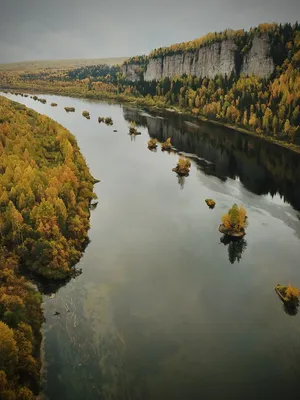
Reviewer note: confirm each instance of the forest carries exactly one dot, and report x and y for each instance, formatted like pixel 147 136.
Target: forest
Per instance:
pixel 266 107
pixel 45 194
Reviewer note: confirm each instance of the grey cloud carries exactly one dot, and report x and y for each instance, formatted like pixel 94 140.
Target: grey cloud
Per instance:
pixel 43 29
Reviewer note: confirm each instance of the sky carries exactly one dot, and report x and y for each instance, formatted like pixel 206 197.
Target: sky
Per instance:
pixel 59 29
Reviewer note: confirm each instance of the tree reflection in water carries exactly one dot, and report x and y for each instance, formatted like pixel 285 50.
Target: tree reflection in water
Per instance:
pixel 154 150
pixel 261 167
pixel 181 181
pixel 290 310
pixel 236 247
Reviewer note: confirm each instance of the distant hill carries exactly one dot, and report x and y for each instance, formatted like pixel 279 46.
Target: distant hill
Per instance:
pixel 59 64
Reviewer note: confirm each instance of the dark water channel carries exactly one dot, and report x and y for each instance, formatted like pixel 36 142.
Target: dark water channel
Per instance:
pixel 165 308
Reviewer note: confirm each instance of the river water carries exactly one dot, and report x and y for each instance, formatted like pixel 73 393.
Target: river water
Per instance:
pixel 165 308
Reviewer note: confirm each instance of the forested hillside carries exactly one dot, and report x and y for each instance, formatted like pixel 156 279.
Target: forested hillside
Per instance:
pixel 45 192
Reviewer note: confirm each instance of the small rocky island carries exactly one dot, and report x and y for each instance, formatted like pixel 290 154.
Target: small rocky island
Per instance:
pixel 211 203
pixel 70 109
pixel 132 129
pixel 86 114
pixel 53 104
pixel 234 222
pixel 152 144
pixel 167 145
pixel 108 121
pixel 288 294
pixel 183 167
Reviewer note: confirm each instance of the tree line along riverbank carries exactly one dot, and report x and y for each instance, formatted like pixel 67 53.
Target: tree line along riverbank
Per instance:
pixel 46 190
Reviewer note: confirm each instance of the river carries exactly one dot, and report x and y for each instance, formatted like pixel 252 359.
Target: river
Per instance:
pixel 165 308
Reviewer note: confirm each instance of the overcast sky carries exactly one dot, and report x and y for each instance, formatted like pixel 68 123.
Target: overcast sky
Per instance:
pixel 55 29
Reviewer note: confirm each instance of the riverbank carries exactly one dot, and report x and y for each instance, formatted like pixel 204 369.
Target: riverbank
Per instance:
pixel 46 190
pixel 146 104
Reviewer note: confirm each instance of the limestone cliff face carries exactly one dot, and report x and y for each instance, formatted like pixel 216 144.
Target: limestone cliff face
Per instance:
pixel 208 61
pixel 257 61
pixel 131 71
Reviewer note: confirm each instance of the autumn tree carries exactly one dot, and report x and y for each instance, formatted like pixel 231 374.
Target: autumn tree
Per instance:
pixel 8 350
pixel 235 220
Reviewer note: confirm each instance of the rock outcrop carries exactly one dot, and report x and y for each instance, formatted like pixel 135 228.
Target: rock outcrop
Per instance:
pixel 257 61
pixel 208 61
pixel 131 72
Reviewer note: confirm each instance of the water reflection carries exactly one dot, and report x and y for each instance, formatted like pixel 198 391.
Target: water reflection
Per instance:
pixel 46 286
pixel 261 167
pixel 49 287
pixel 80 355
pixel 181 181
pixel 290 310
pixel 154 150
pixel 236 247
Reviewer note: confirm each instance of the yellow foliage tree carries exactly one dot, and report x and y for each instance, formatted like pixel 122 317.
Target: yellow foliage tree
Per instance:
pixel 291 293
pixel 236 219
pixel 8 349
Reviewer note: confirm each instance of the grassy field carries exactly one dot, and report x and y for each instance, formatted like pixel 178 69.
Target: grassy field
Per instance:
pixel 59 64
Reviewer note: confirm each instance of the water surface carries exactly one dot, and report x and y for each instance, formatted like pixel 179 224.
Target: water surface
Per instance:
pixel 165 307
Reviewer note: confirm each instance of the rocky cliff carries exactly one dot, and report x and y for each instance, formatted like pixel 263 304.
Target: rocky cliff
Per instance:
pixel 222 57
pixel 258 61
pixel 131 71
pixel 208 61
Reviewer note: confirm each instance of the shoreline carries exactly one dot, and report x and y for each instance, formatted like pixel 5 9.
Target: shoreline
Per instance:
pixel 141 103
